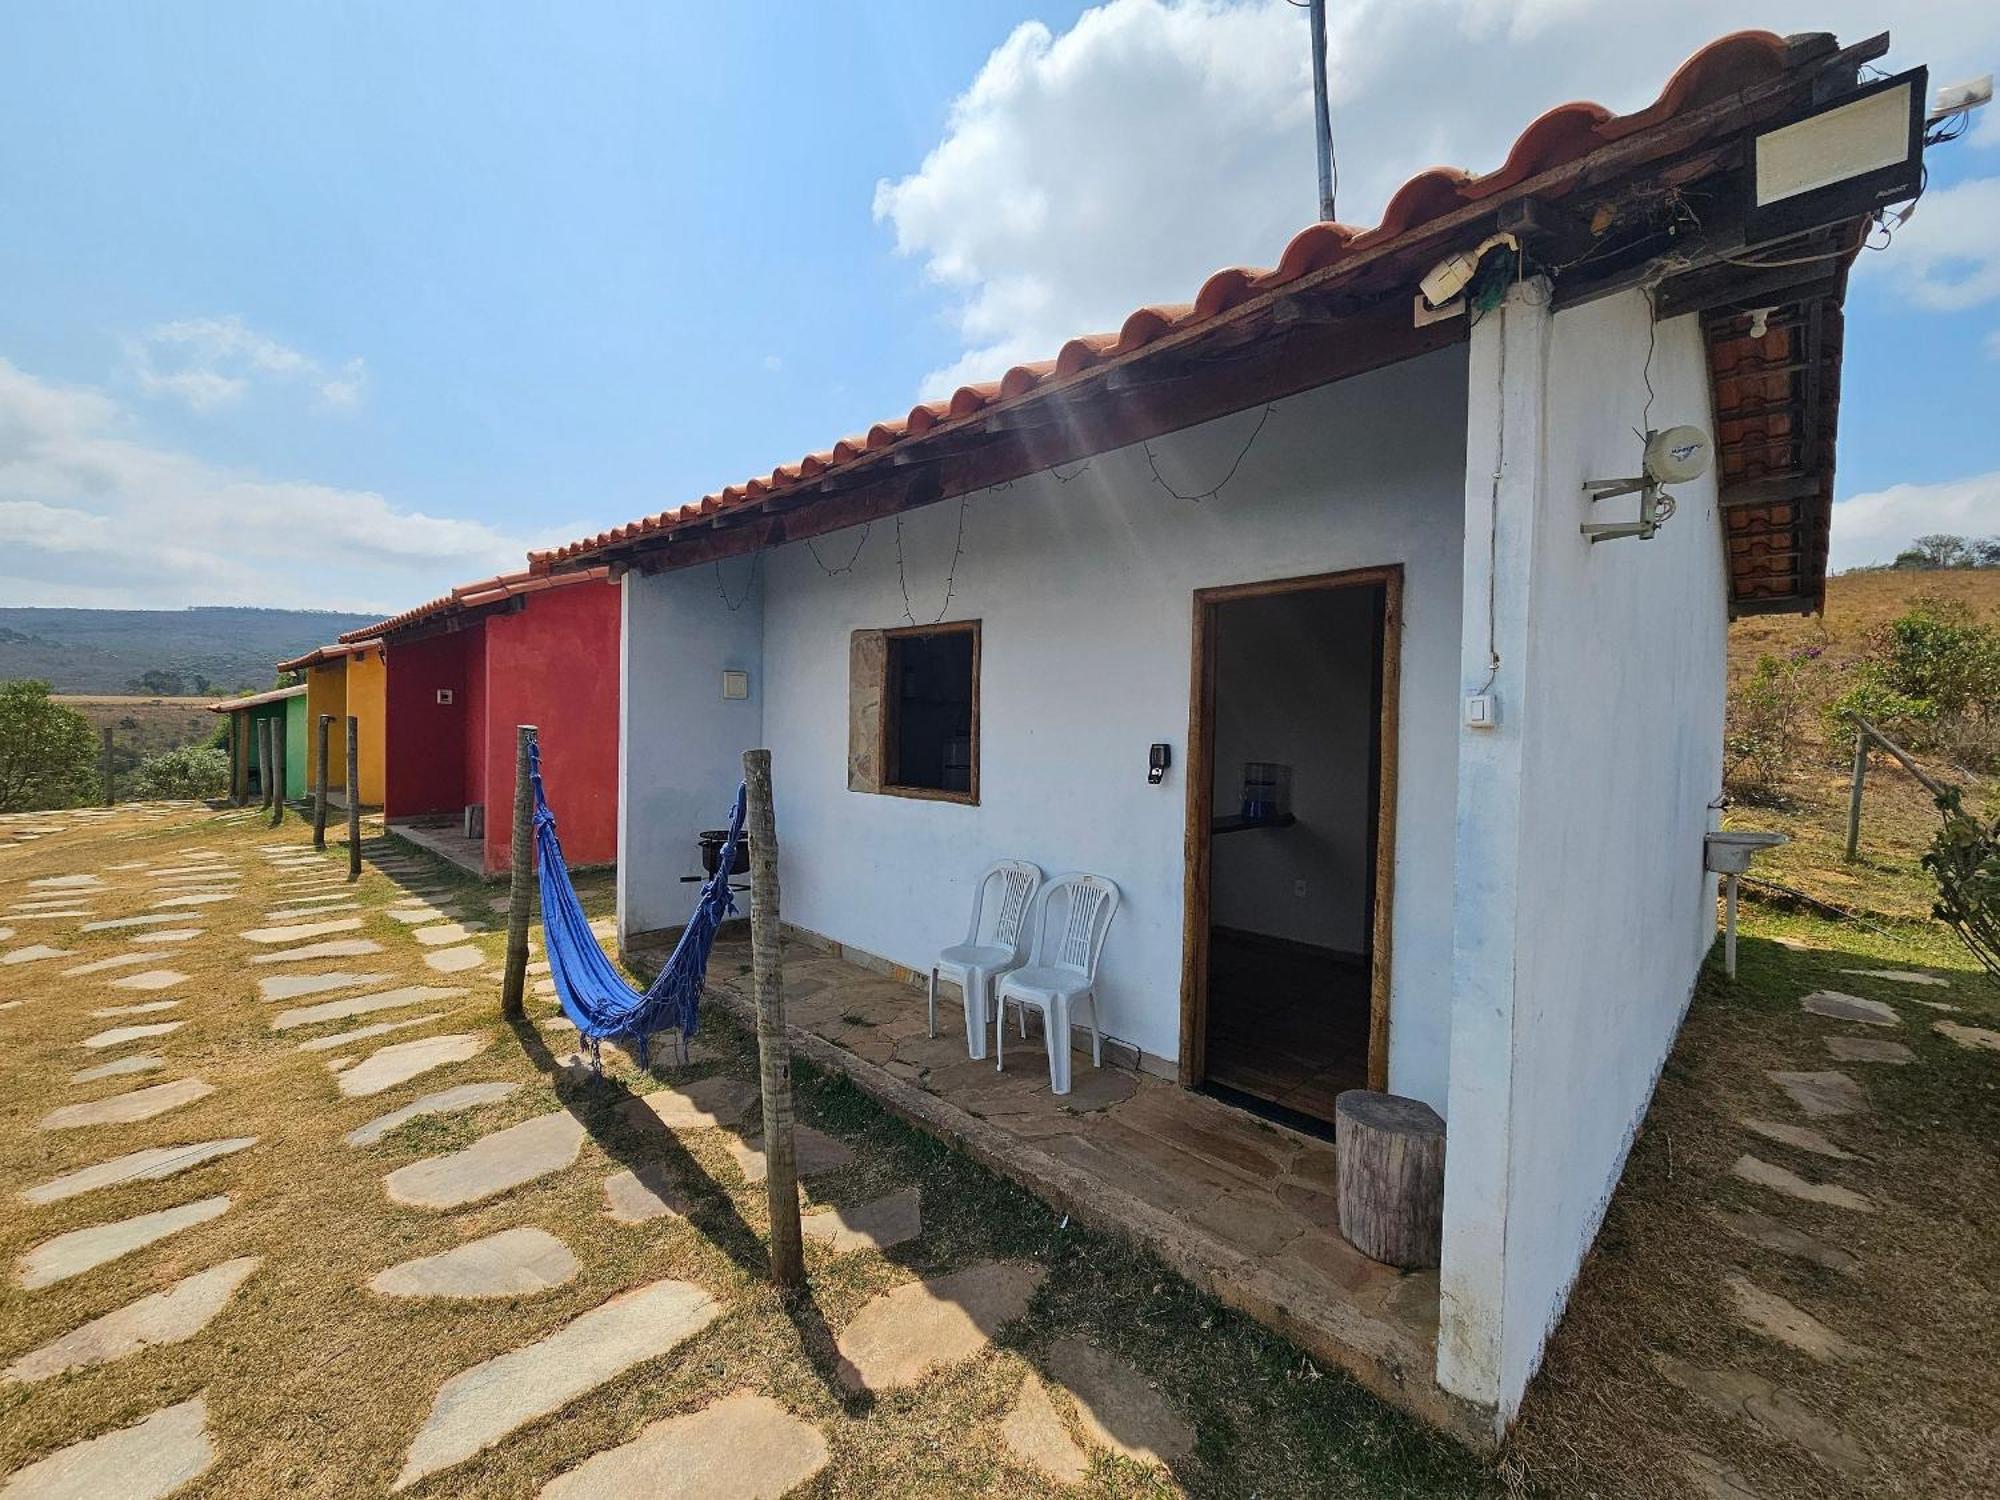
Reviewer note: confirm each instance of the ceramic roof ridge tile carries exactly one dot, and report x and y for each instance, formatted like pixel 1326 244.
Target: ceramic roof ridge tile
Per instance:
pixel 1566 133
pixel 256 700
pixel 473 596
pixel 320 655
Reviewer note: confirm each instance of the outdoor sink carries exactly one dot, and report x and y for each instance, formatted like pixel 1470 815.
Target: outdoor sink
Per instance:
pixel 1728 851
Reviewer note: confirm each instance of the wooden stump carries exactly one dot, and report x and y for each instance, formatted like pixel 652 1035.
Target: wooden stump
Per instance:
pixel 1390 1154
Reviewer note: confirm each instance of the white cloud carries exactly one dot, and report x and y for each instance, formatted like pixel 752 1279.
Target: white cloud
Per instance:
pixel 1083 174
pixel 91 515
pixel 1947 257
pixel 207 363
pixel 1873 528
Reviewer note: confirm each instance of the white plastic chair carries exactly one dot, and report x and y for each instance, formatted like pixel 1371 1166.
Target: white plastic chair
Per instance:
pixel 1062 972
pixel 984 955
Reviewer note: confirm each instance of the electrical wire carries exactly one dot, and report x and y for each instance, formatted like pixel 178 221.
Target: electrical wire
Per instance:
pixel 749 583
pixel 848 567
pixel 951 577
pixel 1214 492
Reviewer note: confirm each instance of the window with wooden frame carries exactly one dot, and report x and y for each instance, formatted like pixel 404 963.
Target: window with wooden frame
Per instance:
pixel 913 712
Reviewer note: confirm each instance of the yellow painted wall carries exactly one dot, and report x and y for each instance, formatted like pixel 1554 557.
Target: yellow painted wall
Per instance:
pixel 367 700
pixel 326 693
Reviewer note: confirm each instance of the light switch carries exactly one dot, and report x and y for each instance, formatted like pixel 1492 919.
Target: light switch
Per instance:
pixel 735 684
pixel 1482 711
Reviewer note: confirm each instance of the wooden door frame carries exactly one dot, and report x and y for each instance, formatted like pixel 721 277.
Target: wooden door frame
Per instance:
pixel 1201 807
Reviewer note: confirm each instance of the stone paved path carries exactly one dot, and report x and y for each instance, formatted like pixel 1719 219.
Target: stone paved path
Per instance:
pixel 743 1447
pixel 82 1250
pixel 1751 1397
pixel 1778 1179
pixel 125 1109
pixel 491 1165
pixel 1822 1095
pixel 1972 1038
pixel 512 1263
pixel 1118 1408
pixel 1777 1318
pixel 150 979
pixel 138 1062
pixel 880 1225
pixel 815 1151
pixel 168 1317
pixel 480 1406
pixel 1838 1007
pixel 363 1033
pixel 904 1334
pixel 294 986
pixel 361 1005
pixel 149 1165
pixel 117 1036
pixel 149 1459
pixel 302 931
pixel 445 1101
pixel 401 1061
pixel 1868 1049
pixel 1034 1433
pixel 338 948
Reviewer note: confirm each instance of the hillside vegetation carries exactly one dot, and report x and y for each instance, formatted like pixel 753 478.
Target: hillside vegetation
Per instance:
pixel 1790 763
pixel 207 651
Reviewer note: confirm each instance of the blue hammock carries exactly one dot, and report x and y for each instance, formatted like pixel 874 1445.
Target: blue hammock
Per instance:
pixel 594 994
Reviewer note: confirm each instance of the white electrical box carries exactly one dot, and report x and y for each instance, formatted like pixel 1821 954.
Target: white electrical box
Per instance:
pixel 444 695
pixel 1482 711
pixel 735 684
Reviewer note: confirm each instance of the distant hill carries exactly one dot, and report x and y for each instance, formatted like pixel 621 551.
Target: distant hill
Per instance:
pixel 211 650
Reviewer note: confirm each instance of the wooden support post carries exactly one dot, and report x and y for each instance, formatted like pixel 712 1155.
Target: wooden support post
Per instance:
pixel 104 764
pixel 1389 1171
pixel 237 782
pixel 1854 792
pixel 521 881
pixel 353 798
pixel 264 763
pixel 277 772
pixel 319 780
pixel 774 1048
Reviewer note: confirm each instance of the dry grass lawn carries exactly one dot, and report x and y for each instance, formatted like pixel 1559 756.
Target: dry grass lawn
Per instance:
pixel 315 1385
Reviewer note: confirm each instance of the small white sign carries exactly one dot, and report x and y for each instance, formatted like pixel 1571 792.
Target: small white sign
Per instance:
pixel 444 695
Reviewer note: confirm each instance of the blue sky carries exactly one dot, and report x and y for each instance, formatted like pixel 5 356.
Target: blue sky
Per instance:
pixel 345 304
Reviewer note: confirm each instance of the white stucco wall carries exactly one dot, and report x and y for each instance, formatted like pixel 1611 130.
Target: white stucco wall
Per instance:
pixel 1085 593
pixel 680 742
pixel 1584 913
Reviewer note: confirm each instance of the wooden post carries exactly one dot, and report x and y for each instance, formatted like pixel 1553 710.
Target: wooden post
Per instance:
pixel 104 765
pixel 319 781
pixel 774 1048
pixel 236 758
pixel 1854 792
pixel 1389 1171
pixel 521 881
pixel 277 772
pixel 353 798
pixel 264 763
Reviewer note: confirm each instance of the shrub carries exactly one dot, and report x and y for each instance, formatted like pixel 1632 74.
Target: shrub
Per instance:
pixel 1766 713
pixel 1964 859
pixel 1933 680
pixel 190 771
pixel 48 753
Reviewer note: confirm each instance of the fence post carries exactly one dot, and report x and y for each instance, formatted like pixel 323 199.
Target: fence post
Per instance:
pixel 353 798
pixel 319 781
pixel 104 765
pixel 520 890
pixel 1854 792
pixel 774 1048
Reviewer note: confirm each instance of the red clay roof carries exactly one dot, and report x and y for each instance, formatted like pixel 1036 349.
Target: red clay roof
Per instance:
pixel 320 655
pixel 1562 135
pixel 472 596
pixel 256 700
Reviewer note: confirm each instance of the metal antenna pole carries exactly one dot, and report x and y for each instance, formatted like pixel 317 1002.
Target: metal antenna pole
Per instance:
pixel 1322 112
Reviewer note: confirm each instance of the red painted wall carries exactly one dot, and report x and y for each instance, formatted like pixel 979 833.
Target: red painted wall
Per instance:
pixel 424 740
pixel 474 776
pixel 554 664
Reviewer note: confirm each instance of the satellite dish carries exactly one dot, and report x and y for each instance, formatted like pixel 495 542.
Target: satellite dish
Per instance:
pixel 1676 455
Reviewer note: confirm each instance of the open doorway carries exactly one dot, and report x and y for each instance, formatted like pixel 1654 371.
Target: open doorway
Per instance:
pixel 1290 844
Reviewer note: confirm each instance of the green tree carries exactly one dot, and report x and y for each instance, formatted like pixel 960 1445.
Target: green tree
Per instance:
pixel 48 753
pixel 190 771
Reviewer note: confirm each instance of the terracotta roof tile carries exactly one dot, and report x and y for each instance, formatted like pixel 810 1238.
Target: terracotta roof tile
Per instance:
pixel 257 700
pixel 320 655
pixel 472 596
pixel 1561 135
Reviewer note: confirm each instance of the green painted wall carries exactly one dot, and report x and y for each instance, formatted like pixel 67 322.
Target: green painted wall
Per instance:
pixel 295 747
